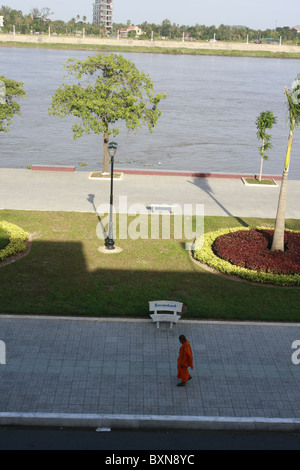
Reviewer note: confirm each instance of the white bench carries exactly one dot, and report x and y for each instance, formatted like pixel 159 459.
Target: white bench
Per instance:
pixel 165 306
pixel 162 207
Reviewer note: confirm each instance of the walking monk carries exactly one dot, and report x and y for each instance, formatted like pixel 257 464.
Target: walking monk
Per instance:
pixel 185 360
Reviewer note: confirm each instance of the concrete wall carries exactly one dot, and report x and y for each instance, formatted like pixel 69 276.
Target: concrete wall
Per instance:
pixel 39 39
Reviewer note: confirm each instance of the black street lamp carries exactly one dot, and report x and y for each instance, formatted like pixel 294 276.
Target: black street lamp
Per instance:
pixel 109 242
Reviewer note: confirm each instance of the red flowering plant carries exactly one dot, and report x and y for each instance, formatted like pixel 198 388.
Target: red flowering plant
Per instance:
pixel 251 250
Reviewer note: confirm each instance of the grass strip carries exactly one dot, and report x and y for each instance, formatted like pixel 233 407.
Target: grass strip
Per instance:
pixel 155 50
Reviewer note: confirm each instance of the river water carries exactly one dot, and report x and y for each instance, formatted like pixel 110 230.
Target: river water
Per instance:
pixel 207 125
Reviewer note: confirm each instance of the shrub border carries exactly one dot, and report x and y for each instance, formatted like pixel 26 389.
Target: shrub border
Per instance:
pixel 203 252
pixel 18 240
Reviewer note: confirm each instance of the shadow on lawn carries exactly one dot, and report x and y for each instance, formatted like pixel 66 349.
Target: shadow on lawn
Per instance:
pixel 72 278
pixel 91 199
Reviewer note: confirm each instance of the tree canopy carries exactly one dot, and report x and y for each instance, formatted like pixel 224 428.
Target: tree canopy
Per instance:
pixel 10 91
pixel 109 89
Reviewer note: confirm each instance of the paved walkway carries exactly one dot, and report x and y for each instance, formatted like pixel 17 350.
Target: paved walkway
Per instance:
pixel 35 190
pixel 123 373
pixel 106 373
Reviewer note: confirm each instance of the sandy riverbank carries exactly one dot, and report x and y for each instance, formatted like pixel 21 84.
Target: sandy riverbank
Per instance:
pixel 222 48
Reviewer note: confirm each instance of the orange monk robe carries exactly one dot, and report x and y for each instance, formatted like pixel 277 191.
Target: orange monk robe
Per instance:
pixel 185 360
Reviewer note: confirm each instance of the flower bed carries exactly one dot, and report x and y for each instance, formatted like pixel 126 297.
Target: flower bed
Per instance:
pixel 246 253
pixel 18 240
pixel 251 250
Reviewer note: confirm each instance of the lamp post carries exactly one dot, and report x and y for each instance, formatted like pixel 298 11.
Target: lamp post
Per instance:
pixel 109 242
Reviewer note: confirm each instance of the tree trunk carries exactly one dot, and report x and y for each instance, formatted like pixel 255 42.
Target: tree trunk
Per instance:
pixel 261 168
pixel 106 168
pixel 278 238
pixel 262 160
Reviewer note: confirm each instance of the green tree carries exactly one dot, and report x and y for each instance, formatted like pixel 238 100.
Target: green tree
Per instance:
pixel 118 92
pixel 265 120
pixel 166 28
pixel 132 34
pixel 58 27
pixel 10 90
pixel 293 102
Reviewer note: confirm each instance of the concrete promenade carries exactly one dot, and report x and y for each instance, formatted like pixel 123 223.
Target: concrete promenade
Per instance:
pixel 122 374
pixel 55 191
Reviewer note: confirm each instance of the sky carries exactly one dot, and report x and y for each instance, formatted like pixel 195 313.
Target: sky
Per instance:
pixel 256 14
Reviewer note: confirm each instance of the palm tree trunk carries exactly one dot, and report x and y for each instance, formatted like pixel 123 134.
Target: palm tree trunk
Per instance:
pixel 262 160
pixel 278 238
pixel 261 168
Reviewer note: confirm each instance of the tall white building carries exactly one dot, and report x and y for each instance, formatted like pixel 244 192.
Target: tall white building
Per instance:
pixel 102 13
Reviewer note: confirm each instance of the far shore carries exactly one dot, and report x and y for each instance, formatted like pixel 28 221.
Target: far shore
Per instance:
pixel 233 49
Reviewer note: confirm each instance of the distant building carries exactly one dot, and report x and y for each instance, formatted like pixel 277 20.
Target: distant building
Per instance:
pixel 102 13
pixel 297 28
pixel 135 29
pixel 1 21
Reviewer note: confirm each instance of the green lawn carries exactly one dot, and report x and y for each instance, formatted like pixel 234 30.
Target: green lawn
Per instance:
pixel 65 275
pixel 263 181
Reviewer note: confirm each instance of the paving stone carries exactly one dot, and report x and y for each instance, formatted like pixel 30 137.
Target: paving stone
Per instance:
pixel 255 378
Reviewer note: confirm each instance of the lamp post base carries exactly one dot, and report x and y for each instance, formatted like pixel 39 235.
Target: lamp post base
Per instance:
pixel 109 244
pixel 106 251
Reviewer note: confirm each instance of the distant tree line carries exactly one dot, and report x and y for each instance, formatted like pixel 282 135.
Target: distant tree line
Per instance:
pixel 223 32
pixel 38 21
